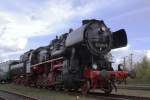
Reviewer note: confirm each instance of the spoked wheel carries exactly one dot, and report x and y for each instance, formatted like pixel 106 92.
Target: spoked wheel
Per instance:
pixel 85 87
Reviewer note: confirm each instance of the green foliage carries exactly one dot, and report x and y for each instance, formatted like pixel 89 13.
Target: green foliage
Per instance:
pixel 142 72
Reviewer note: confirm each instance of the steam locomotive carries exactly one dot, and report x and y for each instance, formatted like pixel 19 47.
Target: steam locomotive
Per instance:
pixel 75 60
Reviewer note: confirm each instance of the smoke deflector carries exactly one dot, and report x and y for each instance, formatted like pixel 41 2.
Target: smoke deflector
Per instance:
pixel 119 39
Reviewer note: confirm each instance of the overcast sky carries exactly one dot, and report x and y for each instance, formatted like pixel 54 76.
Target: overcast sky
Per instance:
pixel 26 24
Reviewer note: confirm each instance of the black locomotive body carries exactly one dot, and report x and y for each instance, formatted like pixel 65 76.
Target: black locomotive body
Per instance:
pixel 77 59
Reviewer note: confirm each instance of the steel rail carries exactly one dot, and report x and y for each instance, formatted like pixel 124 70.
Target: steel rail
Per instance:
pixel 18 95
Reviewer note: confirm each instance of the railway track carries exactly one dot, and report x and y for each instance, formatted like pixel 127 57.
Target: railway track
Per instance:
pixel 6 95
pixel 102 96
pixel 134 87
pixel 118 97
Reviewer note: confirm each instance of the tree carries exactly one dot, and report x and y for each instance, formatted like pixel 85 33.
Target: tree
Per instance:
pixel 142 71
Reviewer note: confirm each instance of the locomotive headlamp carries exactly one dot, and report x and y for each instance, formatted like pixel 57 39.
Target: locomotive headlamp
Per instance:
pixel 94 66
pixel 103 29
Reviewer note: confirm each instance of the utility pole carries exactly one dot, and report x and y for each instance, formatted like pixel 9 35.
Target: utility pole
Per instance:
pixel 124 62
pixel 131 60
